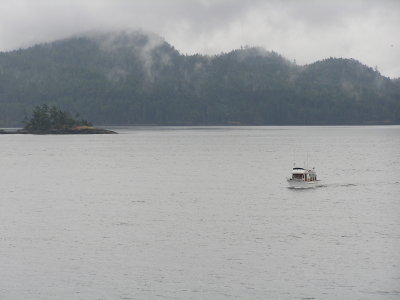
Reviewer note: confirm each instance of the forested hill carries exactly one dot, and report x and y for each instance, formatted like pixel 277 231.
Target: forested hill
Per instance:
pixel 138 78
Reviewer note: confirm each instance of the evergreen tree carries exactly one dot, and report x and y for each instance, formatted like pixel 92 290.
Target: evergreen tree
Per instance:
pixel 45 118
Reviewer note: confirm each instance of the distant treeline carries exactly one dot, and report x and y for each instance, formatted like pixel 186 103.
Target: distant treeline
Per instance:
pixel 138 78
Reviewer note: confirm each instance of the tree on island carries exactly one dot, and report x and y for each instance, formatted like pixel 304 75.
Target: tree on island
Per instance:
pixel 45 117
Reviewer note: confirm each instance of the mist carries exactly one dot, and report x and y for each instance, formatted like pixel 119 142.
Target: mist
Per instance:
pixel 300 30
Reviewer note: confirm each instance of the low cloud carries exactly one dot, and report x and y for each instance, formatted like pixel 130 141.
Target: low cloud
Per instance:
pixel 305 30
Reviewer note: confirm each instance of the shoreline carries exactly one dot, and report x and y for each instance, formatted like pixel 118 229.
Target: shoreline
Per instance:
pixel 85 130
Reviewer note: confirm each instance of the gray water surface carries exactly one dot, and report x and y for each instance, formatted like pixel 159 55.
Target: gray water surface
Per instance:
pixel 200 213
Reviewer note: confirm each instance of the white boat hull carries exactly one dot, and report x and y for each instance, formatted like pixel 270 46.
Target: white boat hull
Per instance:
pixel 301 184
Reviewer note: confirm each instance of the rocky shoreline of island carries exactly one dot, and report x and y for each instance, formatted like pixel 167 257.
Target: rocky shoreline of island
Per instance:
pixel 78 130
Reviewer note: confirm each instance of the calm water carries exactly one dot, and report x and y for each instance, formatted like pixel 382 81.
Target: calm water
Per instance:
pixel 200 213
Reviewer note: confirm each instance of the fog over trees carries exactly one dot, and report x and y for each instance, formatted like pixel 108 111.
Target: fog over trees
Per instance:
pixel 137 78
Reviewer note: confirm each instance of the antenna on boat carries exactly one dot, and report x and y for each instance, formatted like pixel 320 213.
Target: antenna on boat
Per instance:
pixel 294 158
pixel 307 160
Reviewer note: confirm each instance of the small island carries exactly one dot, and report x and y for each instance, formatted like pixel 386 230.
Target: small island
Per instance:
pixel 51 120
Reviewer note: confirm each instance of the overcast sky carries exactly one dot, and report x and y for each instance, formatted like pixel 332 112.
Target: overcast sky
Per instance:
pixel 304 30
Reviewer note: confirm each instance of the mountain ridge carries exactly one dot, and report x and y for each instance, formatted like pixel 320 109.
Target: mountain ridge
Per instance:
pixel 127 78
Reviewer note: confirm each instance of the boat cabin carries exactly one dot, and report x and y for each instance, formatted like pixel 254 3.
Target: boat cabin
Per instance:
pixel 304 174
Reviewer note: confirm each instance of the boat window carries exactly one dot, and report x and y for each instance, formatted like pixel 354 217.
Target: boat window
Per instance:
pixel 297 176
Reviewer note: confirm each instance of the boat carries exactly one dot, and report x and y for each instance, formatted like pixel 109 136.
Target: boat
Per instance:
pixel 303 178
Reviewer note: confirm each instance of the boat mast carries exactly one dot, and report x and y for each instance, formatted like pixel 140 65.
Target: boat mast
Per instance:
pixel 294 158
pixel 307 160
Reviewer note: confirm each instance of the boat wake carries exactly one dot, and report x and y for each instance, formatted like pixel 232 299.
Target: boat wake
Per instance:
pixel 321 185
